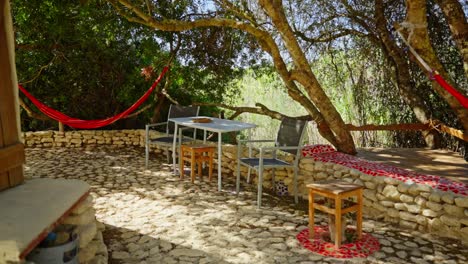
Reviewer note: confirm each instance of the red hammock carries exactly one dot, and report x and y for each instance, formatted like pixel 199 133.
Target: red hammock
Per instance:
pixel 90 124
pixel 433 73
pixel 462 99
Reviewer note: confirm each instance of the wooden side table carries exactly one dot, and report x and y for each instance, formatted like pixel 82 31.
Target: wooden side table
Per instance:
pixel 195 155
pixel 336 190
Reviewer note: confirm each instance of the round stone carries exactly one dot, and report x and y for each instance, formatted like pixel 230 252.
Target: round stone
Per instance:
pixel 385 242
pixel 402 254
pixel 411 244
pixel 388 249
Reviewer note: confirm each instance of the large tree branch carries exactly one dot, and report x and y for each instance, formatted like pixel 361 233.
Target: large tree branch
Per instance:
pixel 329 36
pixel 343 139
pixel 31 113
pixel 237 11
pixel 260 109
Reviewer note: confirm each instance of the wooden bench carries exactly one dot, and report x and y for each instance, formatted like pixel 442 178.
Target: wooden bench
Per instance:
pixel 196 155
pixel 336 190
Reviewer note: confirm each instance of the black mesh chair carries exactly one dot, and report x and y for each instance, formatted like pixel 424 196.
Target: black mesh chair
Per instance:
pixel 167 140
pixel 289 139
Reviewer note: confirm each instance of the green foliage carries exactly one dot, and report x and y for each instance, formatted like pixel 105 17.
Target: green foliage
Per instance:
pixel 264 86
pixel 85 60
pixel 89 57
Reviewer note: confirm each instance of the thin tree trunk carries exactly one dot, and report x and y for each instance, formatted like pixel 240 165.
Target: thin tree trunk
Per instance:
pixel 303 75
pixel 458 24
pixel 415 29
pixel 403 77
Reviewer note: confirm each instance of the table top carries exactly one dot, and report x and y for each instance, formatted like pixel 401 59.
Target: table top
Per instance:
pixel 217 125
pixel 334 186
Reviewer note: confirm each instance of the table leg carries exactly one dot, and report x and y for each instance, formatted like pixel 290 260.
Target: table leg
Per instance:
pixel 219 161
pixel 337 222
pixel 181 164
pixel 174 143
pixel 210 164
pixel 239 149
pixel 250 155
pixel 192 165
pixel 359 215
pixel 204 143
pixel 311 215
pixel 180 148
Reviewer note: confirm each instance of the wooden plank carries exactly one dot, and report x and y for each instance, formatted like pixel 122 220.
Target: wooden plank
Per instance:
pixel 311 214
pixel 324 208
pixel 16 176
pixel 8 89
pixel 4 179
pixel 9 111
pixel 353 208
pixel 11 157
pixel 28 212
pixel 452 131
pixel 413 126
pixel 336 187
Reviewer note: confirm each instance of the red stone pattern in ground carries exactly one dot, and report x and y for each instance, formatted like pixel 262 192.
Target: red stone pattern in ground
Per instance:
pixel 322 153
pixel 358 249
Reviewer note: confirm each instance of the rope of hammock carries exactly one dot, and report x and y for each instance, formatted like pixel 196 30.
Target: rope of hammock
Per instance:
pixel 435 75
pixel 91 124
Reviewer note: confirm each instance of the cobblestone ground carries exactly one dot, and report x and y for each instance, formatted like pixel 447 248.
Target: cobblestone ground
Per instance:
pixel 153 217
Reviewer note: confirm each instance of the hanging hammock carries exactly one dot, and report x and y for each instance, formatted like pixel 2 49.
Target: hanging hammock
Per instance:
pixel 90 124
pixel 436 76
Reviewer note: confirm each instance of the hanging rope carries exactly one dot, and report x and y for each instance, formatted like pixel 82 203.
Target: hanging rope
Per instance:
pixel 91 124
pixel 434 75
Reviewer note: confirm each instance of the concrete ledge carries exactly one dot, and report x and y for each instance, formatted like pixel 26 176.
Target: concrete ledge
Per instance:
pixel 29 211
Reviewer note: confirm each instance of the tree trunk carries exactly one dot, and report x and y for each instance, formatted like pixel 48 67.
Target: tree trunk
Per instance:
pixel 415 26
pixel 458 24
pixel 303 75
pixel 403 77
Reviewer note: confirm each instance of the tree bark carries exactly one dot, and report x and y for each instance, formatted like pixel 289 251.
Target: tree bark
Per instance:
pixel 415 29
pixel 453 12
pixel 303 75
pixel 403 77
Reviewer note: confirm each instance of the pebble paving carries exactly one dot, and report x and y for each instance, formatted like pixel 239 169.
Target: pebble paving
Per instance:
pixel 153 217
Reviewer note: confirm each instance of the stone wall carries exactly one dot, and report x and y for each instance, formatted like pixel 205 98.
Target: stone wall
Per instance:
pixel 413 206
pixel 92 249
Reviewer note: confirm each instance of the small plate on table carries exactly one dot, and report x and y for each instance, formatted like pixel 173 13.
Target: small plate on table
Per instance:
pixel 202 120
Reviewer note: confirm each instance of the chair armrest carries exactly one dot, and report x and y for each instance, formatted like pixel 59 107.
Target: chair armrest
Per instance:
pixel 257 140
pixel 263 150
pixel 279 148
pixel 156 124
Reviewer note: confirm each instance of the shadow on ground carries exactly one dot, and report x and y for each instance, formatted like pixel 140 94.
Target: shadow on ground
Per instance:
pixel 153 217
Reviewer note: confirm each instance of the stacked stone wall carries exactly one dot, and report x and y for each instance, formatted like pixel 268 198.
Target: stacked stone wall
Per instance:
pixel 410 205
pixel 92 249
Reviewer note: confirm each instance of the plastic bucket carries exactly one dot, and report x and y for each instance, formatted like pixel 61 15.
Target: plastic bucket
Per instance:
pixel 62 254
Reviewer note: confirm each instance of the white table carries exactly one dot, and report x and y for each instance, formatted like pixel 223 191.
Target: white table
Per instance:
pixel 217 125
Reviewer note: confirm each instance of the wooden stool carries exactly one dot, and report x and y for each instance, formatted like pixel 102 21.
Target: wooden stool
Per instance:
pixel 336 190
pixel 194 154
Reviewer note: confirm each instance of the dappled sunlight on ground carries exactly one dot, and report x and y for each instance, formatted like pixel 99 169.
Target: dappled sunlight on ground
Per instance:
pixel 153 217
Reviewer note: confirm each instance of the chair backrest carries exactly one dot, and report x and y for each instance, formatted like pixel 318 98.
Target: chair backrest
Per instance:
pixel 290 133
pixel 176 111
